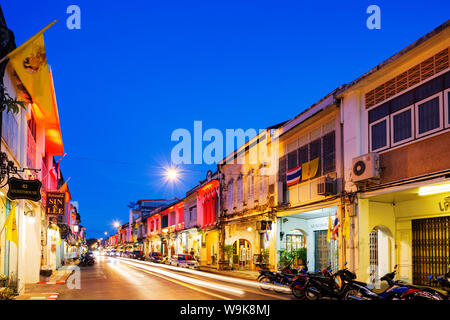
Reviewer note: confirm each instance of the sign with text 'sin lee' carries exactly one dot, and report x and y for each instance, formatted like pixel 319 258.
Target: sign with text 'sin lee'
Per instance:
pixel 24 189
pixel 55 203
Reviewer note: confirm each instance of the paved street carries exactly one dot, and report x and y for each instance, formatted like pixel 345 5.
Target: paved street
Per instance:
pixel 124 279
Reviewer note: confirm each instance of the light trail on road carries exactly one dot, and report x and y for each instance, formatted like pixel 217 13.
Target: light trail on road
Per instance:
pixel 197 282
pixel 243 282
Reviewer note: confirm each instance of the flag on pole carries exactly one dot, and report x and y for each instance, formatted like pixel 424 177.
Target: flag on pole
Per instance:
pixel 64 186
pixel 11 226
pixel 336 229
pixel 330 227
pixel 346 226
pixel 267 232
pixel 30 64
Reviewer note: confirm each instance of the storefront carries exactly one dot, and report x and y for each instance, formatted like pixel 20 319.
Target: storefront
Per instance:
pixel 408 226
pixel 300 231
pixel 210 248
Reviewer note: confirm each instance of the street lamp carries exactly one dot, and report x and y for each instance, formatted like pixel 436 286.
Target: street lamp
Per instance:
pixel 172 174
pixel 116 224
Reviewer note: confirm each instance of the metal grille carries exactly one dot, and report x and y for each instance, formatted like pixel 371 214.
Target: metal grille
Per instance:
pixel 321 250
pixel 430 248
pixel 373 256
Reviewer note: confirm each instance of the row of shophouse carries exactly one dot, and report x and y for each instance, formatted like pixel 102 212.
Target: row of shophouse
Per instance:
pixel 30 141
pixel 373 155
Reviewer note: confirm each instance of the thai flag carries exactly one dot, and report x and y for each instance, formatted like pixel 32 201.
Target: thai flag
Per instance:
pixel 267 232
pixel 336 229
pixel 293 176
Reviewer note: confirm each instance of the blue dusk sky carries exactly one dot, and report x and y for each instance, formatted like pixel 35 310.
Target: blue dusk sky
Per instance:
pixel 137 70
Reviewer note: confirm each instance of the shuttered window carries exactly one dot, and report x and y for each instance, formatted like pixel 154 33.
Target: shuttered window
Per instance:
pixel 329 152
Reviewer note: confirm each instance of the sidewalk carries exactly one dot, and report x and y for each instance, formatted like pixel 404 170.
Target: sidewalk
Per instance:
pixel 242 274
pixel 46 289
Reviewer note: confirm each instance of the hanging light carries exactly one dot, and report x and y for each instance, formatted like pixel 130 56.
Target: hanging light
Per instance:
pixel 440 188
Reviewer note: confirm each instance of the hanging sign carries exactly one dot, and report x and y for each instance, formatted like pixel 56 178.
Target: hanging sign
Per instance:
pixel 55 203
pixel 24 189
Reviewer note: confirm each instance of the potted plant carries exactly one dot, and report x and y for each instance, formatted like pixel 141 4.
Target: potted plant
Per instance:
pixel 265 257
pixel 3 280
pixel 301 257
pixel 228 249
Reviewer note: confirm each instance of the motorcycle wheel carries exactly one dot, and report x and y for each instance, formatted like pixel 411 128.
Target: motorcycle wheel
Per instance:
pixel 298 293
pixel 265 283
pixel 311 293
pixel 352 293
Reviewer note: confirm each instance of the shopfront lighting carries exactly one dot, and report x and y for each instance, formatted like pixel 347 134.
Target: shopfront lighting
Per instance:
pixel 249 229
pixel 75 228
pixel 425 191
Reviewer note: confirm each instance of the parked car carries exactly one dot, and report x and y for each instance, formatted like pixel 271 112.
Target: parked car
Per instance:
pixel 155 257
pixel 184 260
pixel 137 254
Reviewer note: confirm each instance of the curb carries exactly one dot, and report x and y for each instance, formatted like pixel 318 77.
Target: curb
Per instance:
pixel 229 275
pixel 52 282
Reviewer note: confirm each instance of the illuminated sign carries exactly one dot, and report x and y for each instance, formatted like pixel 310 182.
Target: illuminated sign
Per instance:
pixel 55 203
pixel 24 189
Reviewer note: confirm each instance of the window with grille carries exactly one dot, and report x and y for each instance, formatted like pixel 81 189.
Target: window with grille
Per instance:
pixel 303 155
pixel 292 160
pixel 402 126
pixel 428 114
pixel 379 135
pixel 315 151
pixel 329 152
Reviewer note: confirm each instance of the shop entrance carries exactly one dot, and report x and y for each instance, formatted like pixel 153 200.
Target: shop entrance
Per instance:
pixel 242 253
pixel 430 248
pixel 303 239
pixel 321 252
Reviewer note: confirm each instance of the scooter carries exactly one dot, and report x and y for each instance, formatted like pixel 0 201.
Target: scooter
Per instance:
pixel 86 260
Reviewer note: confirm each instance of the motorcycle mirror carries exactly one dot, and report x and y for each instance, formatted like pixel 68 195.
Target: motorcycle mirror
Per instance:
pixel 395 267
pixel 345 263
pixel 430 276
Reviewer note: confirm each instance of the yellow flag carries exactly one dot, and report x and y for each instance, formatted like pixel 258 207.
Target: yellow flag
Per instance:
pixel 330 228
pixel 346 226
pixel 11 226
pixel 309 169
pixel 59 237
pixel 30 63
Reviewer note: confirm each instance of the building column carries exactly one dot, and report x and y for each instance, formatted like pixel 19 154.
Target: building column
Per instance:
pixel 221 262
pixel 362 238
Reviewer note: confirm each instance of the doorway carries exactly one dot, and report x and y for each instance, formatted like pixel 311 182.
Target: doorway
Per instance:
pixel 430 248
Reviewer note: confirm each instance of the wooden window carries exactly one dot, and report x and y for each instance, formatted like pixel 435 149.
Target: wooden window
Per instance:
pixel 402 126
pixel 379 134
pixel 429 117
pixel 329 152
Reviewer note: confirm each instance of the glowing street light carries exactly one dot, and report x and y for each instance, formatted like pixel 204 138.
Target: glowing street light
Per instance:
pixel 116 224
pixel 172 174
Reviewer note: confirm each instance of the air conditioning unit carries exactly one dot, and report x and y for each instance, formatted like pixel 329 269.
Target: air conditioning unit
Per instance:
pixel 365 167
pixel 325 186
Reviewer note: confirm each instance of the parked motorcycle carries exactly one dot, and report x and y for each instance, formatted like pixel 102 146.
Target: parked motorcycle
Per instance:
pixel 86 260
pixel 283 277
